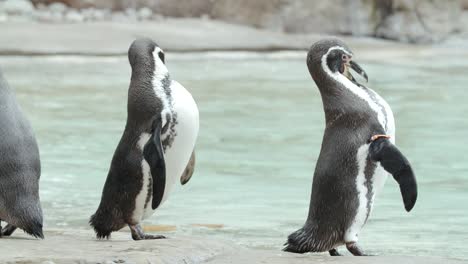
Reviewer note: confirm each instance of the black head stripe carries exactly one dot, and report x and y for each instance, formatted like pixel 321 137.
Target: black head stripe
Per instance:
pixel 162 57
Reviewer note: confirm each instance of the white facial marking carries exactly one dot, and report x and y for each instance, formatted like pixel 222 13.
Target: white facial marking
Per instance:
pixel 160 73
pixel 337 76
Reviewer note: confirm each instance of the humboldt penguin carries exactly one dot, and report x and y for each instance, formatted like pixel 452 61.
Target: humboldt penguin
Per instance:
pixel 156 149
pixel 20 168
pixel 358 152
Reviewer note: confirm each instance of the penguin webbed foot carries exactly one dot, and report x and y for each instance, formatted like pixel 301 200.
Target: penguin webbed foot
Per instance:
pixel 8 230
pixel 334 253
pixel 354 249
pixel 149 237
pixel 138 234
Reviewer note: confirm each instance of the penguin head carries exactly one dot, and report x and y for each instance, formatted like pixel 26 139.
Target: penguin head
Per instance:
pixel 331 57
pixel 145 52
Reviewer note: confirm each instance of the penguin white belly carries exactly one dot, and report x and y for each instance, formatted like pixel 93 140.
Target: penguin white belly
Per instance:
pixel 177 155
pixel 366 196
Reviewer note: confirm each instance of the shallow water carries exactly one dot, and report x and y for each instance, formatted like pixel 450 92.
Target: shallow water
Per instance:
pixel 261 129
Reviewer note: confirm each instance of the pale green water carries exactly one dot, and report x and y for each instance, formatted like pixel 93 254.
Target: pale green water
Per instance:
pixel 261 129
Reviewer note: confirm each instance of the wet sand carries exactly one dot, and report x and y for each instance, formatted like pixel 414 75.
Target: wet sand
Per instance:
pixel 80 246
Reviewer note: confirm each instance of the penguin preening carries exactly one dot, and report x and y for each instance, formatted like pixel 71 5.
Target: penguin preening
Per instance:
pixel 156 149
pixel 20 168
pixel 356 156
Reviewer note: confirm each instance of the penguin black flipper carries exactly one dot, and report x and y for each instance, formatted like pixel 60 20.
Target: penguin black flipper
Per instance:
pixel 154 154
pixel 392 160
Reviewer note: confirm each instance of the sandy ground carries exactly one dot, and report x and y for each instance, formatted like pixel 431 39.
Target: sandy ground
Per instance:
pixel 193 35
pixel 178 35
pixel 107 38
pixel 80 246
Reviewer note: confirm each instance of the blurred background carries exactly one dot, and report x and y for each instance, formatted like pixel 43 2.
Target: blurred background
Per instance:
pixel 261 114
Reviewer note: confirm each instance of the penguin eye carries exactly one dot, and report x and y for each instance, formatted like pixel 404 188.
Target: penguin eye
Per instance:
pixel 161 56
pixel 344 57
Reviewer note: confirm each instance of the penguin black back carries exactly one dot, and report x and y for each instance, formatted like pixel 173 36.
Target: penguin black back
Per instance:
pixel 20 168
pixel 348 173
pixel 125 178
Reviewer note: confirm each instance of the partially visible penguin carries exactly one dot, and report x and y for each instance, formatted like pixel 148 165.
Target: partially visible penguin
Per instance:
pixel 356 156
pixel 20 168
pixel 156 149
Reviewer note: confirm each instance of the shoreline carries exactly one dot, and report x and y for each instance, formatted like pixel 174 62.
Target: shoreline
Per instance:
pixel 72 246
pixel 189 35
pixel 174 34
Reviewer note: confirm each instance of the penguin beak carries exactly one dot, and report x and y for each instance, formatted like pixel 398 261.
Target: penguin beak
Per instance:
pixel 358 70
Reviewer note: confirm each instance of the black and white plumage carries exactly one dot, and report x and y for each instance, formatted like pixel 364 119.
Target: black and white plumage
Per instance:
pixel 356 156
pixel 20 168
pixel 156 149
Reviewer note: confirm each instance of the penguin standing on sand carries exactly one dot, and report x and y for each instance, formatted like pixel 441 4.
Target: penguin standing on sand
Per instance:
pixel 156 148
pixel 357 154
pixel 20 168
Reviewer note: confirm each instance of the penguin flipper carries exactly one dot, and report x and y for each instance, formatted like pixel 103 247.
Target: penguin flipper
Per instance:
pixel 188 172
pixel 153 153
pixel 394 162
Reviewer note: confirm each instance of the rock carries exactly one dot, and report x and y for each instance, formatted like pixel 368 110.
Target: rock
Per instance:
pixel 71 3
pixel 181 8
pixel 74 16
pixel 16 7
pixel 56 17
pixel 43 16
pixel 145 13
pixel 93 14
pixel 420 21
pixel 353 17
pixel 58 7
pixel 261 13
pixel 131 14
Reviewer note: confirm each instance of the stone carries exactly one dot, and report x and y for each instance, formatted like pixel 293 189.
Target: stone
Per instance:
pixel 58 7
pixel 43 16
pixel 74 16
pixel 145 13
pixel 17 7
pixel 259 13
pixel 72 3
pixel 131 14
pixel 56 17
pixel 180 8
pixel 420 21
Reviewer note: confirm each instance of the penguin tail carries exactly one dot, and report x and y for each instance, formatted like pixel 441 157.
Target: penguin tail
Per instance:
pixel 302 241
pixel 34 229
pixel 29 219
pixel 104 223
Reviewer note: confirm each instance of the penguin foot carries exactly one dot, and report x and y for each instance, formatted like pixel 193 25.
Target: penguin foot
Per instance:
pixel 154 237
pixel 8 230
pixel 138 234
pixel 334 253
pixel 354 248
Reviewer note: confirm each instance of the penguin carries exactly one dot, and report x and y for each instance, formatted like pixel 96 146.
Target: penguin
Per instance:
pixel 156 149
pixel 20 168
pixel 358 152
